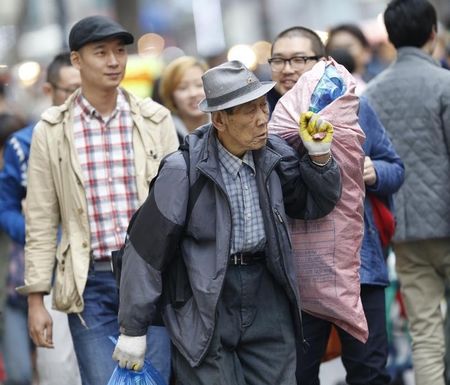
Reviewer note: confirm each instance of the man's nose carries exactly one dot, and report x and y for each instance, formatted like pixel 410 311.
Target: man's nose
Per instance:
pixel 112 60
pixel 262 116
pixel 287 68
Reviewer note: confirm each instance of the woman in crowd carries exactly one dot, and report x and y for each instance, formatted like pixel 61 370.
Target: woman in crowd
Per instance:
pixel 351 38
pixel 180 90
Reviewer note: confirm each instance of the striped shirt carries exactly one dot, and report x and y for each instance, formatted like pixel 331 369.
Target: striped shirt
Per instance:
pixel 248 234
pixel 105 151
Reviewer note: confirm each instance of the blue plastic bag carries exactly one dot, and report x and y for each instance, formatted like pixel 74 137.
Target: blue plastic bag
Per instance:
pixel 329 88
pixel 147 376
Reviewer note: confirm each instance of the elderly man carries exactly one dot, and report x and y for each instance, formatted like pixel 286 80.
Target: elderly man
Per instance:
pixel 240 318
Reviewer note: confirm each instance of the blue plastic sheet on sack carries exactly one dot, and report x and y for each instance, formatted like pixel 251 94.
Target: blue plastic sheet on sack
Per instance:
pixel 147 376
pixel 328 88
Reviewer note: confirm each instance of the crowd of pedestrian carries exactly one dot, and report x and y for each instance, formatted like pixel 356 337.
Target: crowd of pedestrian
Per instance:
pixel 252 221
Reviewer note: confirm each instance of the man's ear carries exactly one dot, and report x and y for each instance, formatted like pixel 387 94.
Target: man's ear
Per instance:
pixel 47 89
pixel 433 34
pixel 432 41
pixel 219 120
pixel 75 59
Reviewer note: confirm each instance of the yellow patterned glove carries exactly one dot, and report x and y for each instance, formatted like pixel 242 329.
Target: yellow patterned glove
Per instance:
pixel 316 133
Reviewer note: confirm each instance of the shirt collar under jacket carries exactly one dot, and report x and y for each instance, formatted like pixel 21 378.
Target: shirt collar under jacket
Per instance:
pixel 84 108
pixel 231 162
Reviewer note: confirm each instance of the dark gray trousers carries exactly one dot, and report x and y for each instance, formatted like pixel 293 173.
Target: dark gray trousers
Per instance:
pixel 254 340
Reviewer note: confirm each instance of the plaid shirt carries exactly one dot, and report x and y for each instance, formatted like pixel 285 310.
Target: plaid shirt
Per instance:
pixel 106 155
pixel 248 233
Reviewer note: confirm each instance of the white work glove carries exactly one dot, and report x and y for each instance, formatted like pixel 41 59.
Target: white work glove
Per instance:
pixel 130 352
pixel 316 133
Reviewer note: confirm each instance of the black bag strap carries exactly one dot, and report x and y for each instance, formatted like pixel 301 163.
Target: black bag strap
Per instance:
pixel 194 190
pixel 180 270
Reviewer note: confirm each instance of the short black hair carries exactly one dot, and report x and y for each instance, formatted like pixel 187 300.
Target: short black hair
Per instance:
pixel 409 23
pixel 316 42
pixel 54 68
pixel 352 29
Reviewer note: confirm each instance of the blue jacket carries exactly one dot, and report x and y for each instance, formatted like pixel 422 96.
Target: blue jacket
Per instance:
pixel 13 183
pixel 390 175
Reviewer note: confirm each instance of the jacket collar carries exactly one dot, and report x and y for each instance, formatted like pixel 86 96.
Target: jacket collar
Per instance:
pixel 146 107
pixel 204 152
pixel 404 53
pixel 139 109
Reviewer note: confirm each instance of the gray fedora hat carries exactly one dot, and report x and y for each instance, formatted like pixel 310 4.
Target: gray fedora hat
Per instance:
pixel 231 84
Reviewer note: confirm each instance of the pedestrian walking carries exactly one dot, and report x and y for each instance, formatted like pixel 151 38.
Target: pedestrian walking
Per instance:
pixel 89 169
pixel 238 319
pixel 412 100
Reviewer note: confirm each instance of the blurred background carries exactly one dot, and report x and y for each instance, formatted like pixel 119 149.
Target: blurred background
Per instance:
pixel 33 31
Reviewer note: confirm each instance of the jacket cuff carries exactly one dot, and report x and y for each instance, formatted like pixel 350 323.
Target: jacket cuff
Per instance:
pixel 34 288
pixel 330 165
pixel 133 332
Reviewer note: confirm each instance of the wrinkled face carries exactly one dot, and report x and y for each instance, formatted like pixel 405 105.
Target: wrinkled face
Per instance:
pixel 345 40
pixel 102 64
pixel 286 48
pixel 69 80
pixel 189 92
pixel 245 128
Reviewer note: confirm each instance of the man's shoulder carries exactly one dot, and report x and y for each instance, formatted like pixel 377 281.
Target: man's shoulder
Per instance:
pixel 175 159
pixel 55 114
pixel 153 110
pixel 409 76
pixel 442 77
pixel 278 144
pixel 24 134
pixel 148 108
pixel 379 80
pixel 19 142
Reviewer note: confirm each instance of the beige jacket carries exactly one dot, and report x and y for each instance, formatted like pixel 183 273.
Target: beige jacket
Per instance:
pixel 56 196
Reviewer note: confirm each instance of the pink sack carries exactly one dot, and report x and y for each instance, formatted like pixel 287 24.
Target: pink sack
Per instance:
pixel 327 250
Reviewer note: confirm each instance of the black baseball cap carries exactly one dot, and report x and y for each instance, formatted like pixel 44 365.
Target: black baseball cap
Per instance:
pixel 96 28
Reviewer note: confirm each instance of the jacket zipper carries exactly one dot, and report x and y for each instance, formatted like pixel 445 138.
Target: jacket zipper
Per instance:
pixel 284 224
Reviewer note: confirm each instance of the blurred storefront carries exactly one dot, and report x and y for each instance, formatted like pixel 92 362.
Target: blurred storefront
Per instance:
pixel 35 30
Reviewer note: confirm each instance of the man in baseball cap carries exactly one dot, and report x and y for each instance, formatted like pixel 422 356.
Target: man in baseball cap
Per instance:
pixel 236 319
pixel 91 162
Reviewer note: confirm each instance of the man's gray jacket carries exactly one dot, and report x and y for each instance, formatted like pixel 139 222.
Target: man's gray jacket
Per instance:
pixel 412 100
pixel 286 183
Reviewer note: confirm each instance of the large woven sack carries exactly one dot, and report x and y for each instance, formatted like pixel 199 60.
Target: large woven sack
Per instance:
pixel 327 250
